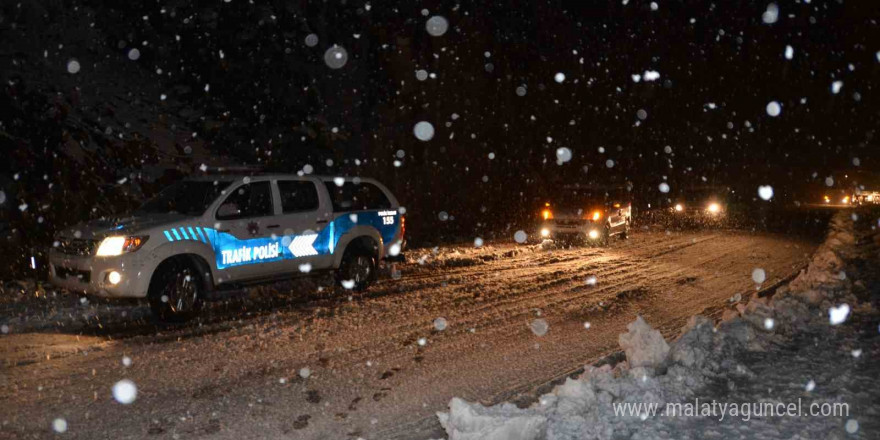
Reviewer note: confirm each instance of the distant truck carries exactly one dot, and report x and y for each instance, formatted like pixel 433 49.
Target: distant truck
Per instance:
pixel 587 214
pixel 865 197
pixel 205 232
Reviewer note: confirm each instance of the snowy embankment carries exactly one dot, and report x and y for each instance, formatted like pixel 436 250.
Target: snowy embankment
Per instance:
pixel 815 340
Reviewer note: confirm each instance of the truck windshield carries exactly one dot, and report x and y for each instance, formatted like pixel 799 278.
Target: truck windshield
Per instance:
pixel 582 198
pixel 185 197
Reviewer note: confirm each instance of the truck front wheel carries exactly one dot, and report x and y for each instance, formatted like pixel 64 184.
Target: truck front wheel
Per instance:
pixel 176 291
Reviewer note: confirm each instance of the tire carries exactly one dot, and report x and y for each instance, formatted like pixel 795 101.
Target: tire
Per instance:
pixel 359 266
pixel 176 291
pixel 606 235
pixel 625 234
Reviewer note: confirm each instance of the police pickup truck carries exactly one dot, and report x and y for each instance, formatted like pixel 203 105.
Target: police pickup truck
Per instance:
pixel 206 232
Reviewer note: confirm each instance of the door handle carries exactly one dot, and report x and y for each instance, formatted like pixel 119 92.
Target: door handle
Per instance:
pixel 320 222
pixel 223 230
pixel 272 226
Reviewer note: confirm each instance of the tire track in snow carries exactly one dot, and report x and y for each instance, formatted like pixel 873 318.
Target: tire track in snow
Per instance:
pixel 235 371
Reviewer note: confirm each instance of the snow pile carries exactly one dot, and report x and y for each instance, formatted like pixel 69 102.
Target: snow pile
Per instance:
pixel 703 361
pixel 582 408
pixel 824 284
pixel 502 422
pixel 827 262
pixel 644 346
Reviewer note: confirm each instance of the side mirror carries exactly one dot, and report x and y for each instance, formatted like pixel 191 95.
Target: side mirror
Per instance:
pixel 228 210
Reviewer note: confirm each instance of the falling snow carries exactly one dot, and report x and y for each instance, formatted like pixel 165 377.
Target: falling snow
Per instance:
pixel 539 327
pixel 424 131
pixel 771 14
pixel 108 105
pixel 335 57
pixel 437 26
pixel 124 391
pixel 59 425
pixel 563 154
pixel 837 315
pixel 73 66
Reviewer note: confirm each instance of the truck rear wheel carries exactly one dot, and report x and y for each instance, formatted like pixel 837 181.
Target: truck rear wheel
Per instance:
pixel 358 269
pixel 176 291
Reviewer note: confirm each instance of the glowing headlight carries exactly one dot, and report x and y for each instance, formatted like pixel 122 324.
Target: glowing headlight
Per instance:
pixel 111 246
pixel 845 200
pixel 869 198
pixel 117 245
pixel 597 215
pixel 714 208
pixel 547 214
pixel 594 234
pixel 545 232
pixel 114 277
pixel 678 207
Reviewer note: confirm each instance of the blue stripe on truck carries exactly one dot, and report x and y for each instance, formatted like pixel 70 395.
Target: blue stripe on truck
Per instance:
pixel 230 251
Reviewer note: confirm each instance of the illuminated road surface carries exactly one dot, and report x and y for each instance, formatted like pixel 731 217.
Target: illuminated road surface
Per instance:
pixel 313 364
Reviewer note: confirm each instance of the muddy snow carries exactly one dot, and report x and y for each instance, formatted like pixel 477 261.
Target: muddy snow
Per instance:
pixel 803 346
pixel 305 360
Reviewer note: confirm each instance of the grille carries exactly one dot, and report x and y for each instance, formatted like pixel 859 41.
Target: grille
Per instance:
pixel 77 246
pixel 570 222
pixel 83 275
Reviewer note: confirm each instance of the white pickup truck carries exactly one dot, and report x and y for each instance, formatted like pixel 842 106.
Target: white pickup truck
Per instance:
pixel 204 232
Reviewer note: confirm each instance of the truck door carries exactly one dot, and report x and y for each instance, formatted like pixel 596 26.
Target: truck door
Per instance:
pixel 616 217
pixel 303 219
pixel 243 240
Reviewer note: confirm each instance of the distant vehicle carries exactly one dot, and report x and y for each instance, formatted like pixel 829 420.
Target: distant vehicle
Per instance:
pixel 589 214
pixel 699 206
pixel 866 197
pixel 710 208
pixel 840 197
pixel 205 232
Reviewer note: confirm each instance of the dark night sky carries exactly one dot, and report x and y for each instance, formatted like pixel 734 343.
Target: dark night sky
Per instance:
pixel 271 98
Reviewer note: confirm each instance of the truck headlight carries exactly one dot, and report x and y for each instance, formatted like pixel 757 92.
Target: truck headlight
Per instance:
pixel 594 234
pixel 117 245
pixel 714 208
pixel 545 232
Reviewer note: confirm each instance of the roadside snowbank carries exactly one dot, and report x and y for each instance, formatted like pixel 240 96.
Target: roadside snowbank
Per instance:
pixel 776 351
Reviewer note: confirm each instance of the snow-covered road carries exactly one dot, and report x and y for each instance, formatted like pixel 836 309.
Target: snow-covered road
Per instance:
pixel 303 363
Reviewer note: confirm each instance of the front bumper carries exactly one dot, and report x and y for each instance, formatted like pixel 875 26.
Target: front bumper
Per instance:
pixel 585 229
pixel 90 274
pixel 695 217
